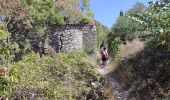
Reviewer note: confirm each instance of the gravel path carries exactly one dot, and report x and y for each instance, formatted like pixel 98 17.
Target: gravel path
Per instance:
pixel 118 92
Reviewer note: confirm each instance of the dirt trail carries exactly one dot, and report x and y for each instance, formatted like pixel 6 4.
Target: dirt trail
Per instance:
pixel 119 93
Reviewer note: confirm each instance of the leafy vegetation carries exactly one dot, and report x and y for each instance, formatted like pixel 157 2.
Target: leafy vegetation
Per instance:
pixel 102 32
pixel 114 44
pixel 156 18
pixel 24 75
pixel 4 47
pixel 126 28
pixel 146 73
pixel 30 20
pixel 69 76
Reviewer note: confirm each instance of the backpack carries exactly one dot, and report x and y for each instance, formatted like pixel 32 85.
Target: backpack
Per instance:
pixel 104 55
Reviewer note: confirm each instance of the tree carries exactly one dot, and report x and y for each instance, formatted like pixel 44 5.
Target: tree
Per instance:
pixel 121 13
pixel 165 1
pixel 156 18
pixel 125 27
pixel 30 19
pixel 102 32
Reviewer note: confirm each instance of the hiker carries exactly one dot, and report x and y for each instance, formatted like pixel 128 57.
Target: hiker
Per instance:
pixel 104 56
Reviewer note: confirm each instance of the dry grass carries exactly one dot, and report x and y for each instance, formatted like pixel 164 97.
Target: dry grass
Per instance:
pixel 131 48
pixel 4 71
pixel 51 51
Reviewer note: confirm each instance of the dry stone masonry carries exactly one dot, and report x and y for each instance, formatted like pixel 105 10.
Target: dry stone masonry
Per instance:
pixel 73 38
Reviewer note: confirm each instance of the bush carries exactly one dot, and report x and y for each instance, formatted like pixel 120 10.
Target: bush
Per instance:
pixel 86 20
pixel 66 77
pixel 114 46
pixel 146 74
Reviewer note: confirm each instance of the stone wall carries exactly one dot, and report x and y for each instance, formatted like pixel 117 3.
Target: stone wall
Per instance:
pixel 89 38
pixel 73 38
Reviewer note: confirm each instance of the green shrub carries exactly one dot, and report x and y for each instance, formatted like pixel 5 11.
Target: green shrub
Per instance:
pixel 65 77
pixel 114 46
pixel 4 87
pixel 85 20
pixel 125 73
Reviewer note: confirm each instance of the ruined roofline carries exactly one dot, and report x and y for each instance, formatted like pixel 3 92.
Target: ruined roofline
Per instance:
pixel 81 27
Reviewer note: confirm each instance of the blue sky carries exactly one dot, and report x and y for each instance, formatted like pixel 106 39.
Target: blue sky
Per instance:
pixel 107 11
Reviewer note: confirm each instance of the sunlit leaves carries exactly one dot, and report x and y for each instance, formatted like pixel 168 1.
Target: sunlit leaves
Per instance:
pixel 3 35
pixel 11 8
pixel 157 20
pixel 102 32
pixel 69 10
pixel 126 25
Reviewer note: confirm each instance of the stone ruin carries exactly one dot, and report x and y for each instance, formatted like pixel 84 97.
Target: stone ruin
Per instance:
pixel 72 38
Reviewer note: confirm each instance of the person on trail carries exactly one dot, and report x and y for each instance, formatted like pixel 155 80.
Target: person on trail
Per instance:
pixel 104 56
